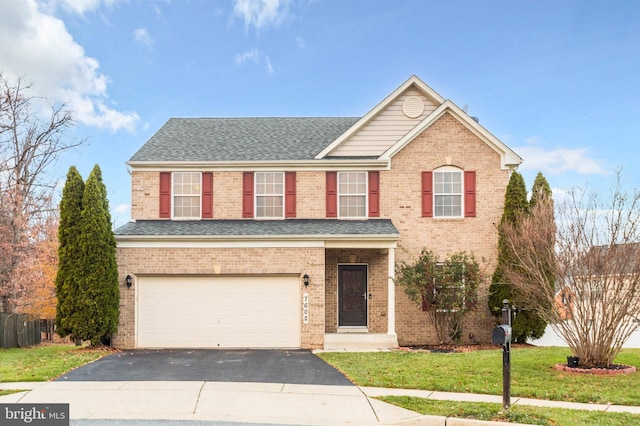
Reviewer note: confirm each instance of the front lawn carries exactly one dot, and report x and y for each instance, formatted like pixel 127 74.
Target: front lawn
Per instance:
pixel 515 414
pixel 532 374
pixel 42 363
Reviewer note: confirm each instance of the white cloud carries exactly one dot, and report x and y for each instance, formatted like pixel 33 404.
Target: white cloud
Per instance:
pixel 122 208
pixel 249 56
pixel 80 7
pixel 268 65
pixel 120 215
pixel 261 13
pixel 559 160
pixel 141 36
pixel 39 48
pixel 256 57
pixel 559 194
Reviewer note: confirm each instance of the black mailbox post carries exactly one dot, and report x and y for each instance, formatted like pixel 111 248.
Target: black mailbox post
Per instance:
pixel 502 336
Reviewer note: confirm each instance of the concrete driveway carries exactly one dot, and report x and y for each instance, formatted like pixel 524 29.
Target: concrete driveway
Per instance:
pixel 248 366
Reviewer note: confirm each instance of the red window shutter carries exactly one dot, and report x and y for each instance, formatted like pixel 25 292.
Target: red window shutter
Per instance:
pixel 427 194
pixel 427 302
pixel 374 194
pixel 207 195
pixel 247 194
pixel 470 194
pixel 165 194
pixel 332 194
pixel 290 194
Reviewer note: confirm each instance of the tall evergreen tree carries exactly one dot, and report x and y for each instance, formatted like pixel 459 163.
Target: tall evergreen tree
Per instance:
pixel 69 268
pixel 515 204
pixel 99 282
pixel 539 190
pixel 530 324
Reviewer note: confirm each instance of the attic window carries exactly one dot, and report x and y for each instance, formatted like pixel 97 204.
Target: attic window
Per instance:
pixel 413 107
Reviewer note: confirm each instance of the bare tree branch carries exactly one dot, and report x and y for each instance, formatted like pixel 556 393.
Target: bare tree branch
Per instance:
pixel 596 262
pixel 29 145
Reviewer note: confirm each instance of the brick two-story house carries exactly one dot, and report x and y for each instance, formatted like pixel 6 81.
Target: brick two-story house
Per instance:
pixel 285 232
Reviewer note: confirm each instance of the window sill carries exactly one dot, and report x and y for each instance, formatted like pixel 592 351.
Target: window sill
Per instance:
pixel 354 330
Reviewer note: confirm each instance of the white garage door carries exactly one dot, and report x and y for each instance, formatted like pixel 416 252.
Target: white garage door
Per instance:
pixel 218 312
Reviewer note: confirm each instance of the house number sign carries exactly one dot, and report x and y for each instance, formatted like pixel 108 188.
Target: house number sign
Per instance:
pixel 305 308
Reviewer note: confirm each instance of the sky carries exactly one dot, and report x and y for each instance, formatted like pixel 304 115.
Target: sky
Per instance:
pixel 558 81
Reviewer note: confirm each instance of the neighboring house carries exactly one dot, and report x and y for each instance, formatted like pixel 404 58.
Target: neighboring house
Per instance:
pixel 606 276
pixel 564 302
pixel 285 232
pixel 601 296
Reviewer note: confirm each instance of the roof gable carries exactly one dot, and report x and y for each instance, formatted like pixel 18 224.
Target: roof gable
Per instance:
pixel 508 158
pixel 381 127
pixel 390 142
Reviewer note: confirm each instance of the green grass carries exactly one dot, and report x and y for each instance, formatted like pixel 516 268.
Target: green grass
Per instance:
pixel 515 414
pixel 532 374
pixel 42 363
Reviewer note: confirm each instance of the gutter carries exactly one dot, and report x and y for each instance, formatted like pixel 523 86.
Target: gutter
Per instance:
pixel 275 165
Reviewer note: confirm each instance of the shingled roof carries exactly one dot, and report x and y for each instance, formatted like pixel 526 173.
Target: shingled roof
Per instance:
pixel 382 228
pixel 242 139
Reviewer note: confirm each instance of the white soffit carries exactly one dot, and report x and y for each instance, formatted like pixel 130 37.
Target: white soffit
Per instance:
pixel 326 241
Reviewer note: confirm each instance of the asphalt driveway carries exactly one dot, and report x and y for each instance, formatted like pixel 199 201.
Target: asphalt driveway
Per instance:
pixel 266 366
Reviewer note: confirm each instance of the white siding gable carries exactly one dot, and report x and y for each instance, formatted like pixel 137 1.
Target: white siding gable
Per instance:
pixel 386 128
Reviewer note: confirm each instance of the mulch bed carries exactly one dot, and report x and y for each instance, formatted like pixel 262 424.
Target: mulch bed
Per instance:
pixel 447 349
pixel 612 369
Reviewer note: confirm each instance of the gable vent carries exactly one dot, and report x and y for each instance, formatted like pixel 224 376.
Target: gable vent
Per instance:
pixel 413 107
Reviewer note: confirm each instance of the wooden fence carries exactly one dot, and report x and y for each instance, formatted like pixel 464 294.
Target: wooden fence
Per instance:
pixel 18 331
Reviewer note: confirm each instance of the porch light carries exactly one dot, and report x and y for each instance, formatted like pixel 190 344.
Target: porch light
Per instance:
pixel 129 281
pixel 306 280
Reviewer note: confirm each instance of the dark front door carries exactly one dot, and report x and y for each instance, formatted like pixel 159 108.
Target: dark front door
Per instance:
pixel 352 295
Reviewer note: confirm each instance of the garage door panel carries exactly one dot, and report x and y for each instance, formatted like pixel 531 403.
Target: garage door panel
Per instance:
pixel 212 312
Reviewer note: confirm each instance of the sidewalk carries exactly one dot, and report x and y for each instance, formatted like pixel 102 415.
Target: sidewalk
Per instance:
pixel 253 402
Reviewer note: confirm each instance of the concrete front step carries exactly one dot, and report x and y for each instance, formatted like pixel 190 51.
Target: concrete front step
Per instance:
pixel 359 342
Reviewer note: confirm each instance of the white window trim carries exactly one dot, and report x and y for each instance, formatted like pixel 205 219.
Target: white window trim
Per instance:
pixel 448 169
pixel 173 197
pixel 366 195
pixel 255 196
pixel 436 286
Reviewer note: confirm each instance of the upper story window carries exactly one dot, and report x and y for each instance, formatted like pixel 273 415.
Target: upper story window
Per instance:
pixel 352 194
pixel 269 194
pixel 186 195
pixel 447 192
